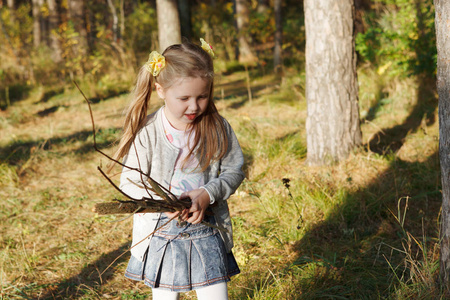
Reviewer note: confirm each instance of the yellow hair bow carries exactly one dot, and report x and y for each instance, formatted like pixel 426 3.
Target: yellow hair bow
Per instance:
pixel 155 63
pixel 207 47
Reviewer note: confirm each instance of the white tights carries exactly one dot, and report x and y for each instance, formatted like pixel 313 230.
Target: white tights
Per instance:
pixel 216 291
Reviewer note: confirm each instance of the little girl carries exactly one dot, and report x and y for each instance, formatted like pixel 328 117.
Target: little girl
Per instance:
pixel 188 148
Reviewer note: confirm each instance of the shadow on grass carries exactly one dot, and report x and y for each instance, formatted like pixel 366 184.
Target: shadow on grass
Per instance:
pixel 75 286
pixel 422 115
pixel 48 111
pixel 108 95
pixel 13 94
pixel 47 95
pixel 238 88
pixel 357 251
pixel 19 152
pixel 360 251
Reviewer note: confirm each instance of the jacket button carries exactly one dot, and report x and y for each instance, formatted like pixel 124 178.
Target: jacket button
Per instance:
pixel 184 235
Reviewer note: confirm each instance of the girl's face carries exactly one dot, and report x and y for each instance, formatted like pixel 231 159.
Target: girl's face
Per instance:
pixel 185 100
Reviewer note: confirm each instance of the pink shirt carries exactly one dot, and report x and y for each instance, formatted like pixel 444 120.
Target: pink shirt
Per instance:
pixel 187 178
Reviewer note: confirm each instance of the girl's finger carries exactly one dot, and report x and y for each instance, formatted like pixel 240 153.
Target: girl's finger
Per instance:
pixel 196 218
pixel 183 215
pixel 195 207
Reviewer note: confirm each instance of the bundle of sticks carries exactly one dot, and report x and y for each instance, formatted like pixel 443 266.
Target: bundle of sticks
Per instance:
pixel 167 203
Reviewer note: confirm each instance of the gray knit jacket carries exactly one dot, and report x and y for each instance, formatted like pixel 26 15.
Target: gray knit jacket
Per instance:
pixel 153 154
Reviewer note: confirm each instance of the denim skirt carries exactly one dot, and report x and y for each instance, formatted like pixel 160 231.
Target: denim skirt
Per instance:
pixel 183 258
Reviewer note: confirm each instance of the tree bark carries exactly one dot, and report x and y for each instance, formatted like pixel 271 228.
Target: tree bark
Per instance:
pixel 10 4
pixel 242 22
pixel 263 6
pixel 169 31
pixel 277 59
pixel 53 24
pixel 332 124
pixel 115 26
pixel 109 208
pixel 12 11
pixel 122 22
pixel 76 15
pixel 37 16
pixel 442 21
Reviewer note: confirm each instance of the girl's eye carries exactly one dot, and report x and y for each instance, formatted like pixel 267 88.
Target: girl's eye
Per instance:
pixel 184 98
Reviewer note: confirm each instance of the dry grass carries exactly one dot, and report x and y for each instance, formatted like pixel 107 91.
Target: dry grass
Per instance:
pixel 344 245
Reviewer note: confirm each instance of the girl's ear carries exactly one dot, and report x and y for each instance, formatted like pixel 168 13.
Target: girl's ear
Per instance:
pixel 160 91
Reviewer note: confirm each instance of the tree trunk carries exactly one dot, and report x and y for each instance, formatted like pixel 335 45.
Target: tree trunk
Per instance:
pixel 184 9
pixel 76 15
pixel 53 25
pixel 122 23
pixel 277 60
pixel 37 16
pixel 263 6
pixel 169 31
pixel 12 11
pixel 442 22
pixel 115 26
pixel 10 4
pixel 242 22
pixel 332 124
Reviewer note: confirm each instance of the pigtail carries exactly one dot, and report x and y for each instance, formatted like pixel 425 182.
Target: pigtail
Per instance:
pixel 136 114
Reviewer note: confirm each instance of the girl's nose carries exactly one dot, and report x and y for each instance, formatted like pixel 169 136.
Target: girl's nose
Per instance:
pixel 193 105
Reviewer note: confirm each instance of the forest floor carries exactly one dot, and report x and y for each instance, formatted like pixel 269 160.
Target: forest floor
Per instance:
pixel 365 228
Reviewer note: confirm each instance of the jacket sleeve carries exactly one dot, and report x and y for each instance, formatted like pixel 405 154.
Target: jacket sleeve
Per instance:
pixel 138 157
pixel 228 173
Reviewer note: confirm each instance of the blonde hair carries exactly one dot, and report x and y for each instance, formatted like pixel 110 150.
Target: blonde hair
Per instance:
pixel 210 142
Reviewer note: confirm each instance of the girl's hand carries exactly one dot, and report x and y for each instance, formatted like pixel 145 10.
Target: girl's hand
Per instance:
pixel 200 202
pixel 171 215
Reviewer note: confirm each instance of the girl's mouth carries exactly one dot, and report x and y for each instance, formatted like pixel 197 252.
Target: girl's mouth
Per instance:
pixel 191 116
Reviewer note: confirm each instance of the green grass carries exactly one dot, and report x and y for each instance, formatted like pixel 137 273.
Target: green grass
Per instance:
pixel 365 228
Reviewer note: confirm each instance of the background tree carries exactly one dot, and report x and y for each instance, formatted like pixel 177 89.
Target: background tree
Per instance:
pixel 184 10
pixel 332 124
pixel 53 25
pixel 263 6
pixel 277 60
pixel 11 6
pixel 169 31
pixel 242 22
pixel 115 25
pixel 77 18
pixel 443 86
pixel 37 21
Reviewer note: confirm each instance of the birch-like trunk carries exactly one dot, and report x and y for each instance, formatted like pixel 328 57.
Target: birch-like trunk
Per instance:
pixel 242 22
pixel 115 25
pixel 53 25
pixel 169 31
pixel 12 11
pixel 77 15
pixel 442 21
pixel 332 124
pixel 277 58
pixel 37 16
